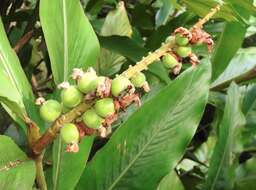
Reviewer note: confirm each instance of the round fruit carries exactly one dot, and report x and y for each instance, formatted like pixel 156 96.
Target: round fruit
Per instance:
pixel 71 97
pixel 183 51
pixel 105 107
pixel 69 133
pixel 119 84
pixel 50 110
pixel 138 80
pixel 169 61
pixel 181 40
pixel 91 119
pixel 88 82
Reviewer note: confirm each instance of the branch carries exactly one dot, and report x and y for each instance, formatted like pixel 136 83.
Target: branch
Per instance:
pixel 201 22
pixel 51 133
pixel 23 41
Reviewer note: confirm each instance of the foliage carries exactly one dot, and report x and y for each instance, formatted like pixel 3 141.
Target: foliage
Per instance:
pixel 156 96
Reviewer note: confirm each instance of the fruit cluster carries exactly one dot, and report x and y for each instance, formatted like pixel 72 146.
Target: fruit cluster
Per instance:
pixel 182 48
pixel 108 97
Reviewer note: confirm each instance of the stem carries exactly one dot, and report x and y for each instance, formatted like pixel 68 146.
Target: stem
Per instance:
pixel 143 64
pixel 207 17
pixel 40 178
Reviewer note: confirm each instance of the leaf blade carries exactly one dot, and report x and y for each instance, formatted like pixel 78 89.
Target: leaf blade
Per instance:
pixel 70 43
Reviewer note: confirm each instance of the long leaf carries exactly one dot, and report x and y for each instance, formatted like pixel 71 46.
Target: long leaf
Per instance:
pixel 70 38
pixel 16 170
pixel 221 173
pixel 14 84
pixel 68 167
pixel 142 151
pixel 226 47
pixel 230 41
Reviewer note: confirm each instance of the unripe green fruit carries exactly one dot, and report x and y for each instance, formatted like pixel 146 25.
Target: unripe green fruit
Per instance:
pixel 119 84
pixel 50 110
pixel 169 61
pixel 69 133
pixel 88 82
pixel 181 40
pixel 138 80
pixel 105 107
pixel 91 119
pixel 183 51
pixel 71 97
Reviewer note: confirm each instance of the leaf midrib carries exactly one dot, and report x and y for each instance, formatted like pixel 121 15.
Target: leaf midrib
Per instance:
pixel 150 140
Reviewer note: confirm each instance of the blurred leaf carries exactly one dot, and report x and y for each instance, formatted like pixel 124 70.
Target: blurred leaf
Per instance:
pixel 70 38
pixel 14 84
pixel 171 181
pixel 68 167
pixel 146 150
pixel 16 170
pixel 165 11
pixel 116 23
pixel 249 110
pixel 241 67
pixel 221 172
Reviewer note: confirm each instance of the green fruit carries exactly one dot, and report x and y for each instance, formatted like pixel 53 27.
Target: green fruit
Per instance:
pixel 138 80
pixel 183 51
pixel 105 107
pixel 88 82
pixel 119 84
pixel 169 61
pixel 181 40
pixel 71 97
pixel 91 119
pixel 50 110
pixel 69 133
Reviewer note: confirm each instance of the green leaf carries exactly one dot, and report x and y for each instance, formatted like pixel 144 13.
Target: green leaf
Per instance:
pixel 116 23
pixel 14 107
pixel 230 41
pixel 16 170
pixel 221 173
pixel 171 181
pixel 241 67
pixel 68 167
pixel 14 84
pixel 70 38
pixel 144 150
pixel 164 12
pixel 227 46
